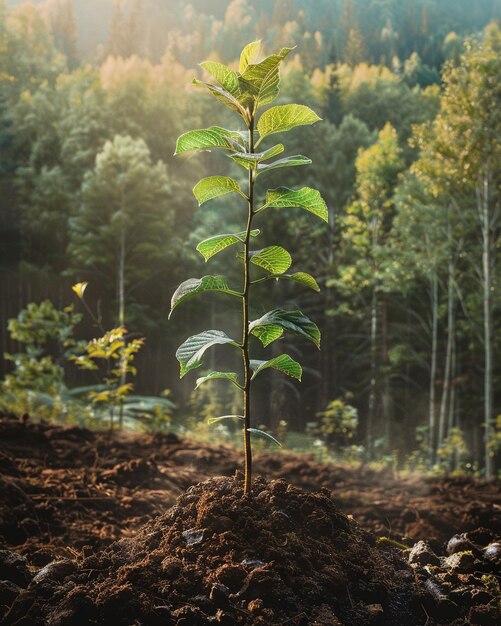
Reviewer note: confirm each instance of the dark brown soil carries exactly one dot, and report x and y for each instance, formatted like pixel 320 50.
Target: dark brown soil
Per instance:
pixel 281 556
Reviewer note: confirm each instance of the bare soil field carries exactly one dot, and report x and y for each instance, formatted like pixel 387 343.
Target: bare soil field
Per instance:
pixel 115 528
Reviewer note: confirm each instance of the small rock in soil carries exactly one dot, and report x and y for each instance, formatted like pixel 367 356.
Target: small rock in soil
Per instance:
pixel 219 594
pixel 460 562
pixel 422 554
pixel 57 570
pixel 459 543
pixel 493 553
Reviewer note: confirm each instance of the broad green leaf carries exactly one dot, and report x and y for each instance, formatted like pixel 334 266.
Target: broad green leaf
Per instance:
pixel 300 277
pixel 285 117
pixel 249 160
pixel 263 78
pixel 256 73
pixel 273 259
pixel 226 77
pixel 223 96
pixel 268 334
pixel 249 54
pixel 284 363
pixel 304 279
pixel 211 246
pixel 190 353
pixel 193 286
pixel 213 420
pixel 305 198
pixel 290 161
pixel 262 433
pixel 79 289
pixel 214 186
pixel 231 376
pixel 271 326
pixel 207 138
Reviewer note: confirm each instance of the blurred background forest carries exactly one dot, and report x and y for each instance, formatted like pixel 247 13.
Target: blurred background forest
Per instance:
pixel 94 93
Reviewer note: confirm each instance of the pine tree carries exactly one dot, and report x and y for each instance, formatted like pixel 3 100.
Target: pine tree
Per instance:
pixel 64 31
pixel 124 222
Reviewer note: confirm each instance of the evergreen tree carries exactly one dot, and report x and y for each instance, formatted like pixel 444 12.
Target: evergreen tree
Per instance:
pixel 64 31
pixel 124 223
pixel 127 33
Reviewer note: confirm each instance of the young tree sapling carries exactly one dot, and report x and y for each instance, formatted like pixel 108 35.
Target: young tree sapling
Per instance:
pixel 254 85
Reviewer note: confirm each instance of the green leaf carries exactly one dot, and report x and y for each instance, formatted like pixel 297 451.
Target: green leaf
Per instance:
pixel 262 433
pixel 263 78
pixel 273 259
pixel 193 286
pixel 214 186
pixel 290 161
pixel 223 96
pixel 226 77
pixel 285 117
pixel 213 420
pixel 304 198
pixel 211 246
pixel 249 54
pixel 190 353
pixel 300 277
pixel 304 279
pixel 272 325
pixel 207 138
pixel 231 376
pixel 283 363
pixel 249 160
pixel 268 334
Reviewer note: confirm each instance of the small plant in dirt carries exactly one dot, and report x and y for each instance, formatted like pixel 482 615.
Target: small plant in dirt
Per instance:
pixel 47 336
pixel 110 355
pixel 338 423
pixel 453 452
pixel 255 85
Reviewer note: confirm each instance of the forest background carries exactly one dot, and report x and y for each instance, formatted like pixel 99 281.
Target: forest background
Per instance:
pixel 94 93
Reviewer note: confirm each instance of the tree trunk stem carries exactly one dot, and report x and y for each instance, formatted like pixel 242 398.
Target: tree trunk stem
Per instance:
pixel 245 327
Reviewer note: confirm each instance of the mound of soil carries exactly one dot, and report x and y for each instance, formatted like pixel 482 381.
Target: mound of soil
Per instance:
pixel 278 556
pixel 67 490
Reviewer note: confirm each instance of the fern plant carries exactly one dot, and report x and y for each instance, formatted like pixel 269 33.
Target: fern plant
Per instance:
pixel 255 85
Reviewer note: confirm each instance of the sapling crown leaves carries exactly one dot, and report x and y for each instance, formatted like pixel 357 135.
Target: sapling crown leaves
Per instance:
pixel 285 117
pixel 190 353
pixel 290 161
pixel 231 376
pixel 273 259
pixel 272 325
pixel 227 78
pixel 211 246
pixel 194 286
pixel 305 198
pixel 283 363
pixel 223 96
pixel 248 55
pixel 249 160
pixel 215 186
pixel 254 85
pixel 207 138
